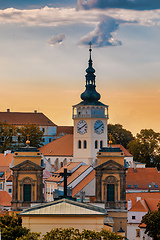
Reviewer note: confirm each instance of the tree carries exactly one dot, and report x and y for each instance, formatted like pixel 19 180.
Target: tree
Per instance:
pixel 119 134
pixel 7 131
pixel 145 148
pixel 30 236
pixel 71 233
pixel 34 133
pixel 11 227
pixel 152 221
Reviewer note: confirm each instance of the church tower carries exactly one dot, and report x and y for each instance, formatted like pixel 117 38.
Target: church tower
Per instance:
pixel 90 121
pixel 27 172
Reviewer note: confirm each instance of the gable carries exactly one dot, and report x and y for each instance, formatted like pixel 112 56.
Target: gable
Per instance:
pixel 110 165
pixel 64 207
pixel 27 165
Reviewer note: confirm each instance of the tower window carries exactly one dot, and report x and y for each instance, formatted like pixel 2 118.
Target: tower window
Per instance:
pixel 96 144
pixel 110 192
pixel 27 192
pixel 101 144
pixel 85 144
pixel 79 144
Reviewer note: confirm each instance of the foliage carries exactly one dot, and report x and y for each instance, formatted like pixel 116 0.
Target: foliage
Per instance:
pixel 30 236
pixel 119 135
pixel 146 148
pixel 12 137
pixel 152 221
pixel 11 227
pixel 74 234
pixel 34 133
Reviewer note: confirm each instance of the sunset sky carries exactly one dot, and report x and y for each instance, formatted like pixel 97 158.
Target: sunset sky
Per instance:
pixel 44 54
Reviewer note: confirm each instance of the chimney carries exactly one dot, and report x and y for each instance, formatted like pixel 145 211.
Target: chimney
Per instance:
pixel 8 110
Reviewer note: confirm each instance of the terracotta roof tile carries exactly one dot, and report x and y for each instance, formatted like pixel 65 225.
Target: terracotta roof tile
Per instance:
pixel 125 151
pixel 64 130
pixel 83 183
pixel 62 146
pixel 140 206
pixel 143 195
pixel 5 199
pixel 152 204
pixel 22 118
pixel 143 177
pixel 5 160
pixel 142 225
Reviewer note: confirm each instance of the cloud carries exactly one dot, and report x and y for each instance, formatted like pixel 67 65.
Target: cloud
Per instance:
pixel 104 34
pixel 125 4
pixel 58 39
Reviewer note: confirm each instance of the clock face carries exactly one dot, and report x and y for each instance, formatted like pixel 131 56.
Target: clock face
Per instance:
pixel 99 127
pixel 82 127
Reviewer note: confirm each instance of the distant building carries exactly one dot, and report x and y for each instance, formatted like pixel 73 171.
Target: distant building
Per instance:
pixel 20 119
pixel 135 230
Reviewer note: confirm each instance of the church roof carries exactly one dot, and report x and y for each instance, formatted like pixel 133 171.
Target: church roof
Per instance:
pixel 62 146
pixel 64 207
pixel 22 118
pixel 125 151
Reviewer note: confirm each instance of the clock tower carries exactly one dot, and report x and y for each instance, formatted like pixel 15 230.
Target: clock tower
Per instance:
pixel 90 121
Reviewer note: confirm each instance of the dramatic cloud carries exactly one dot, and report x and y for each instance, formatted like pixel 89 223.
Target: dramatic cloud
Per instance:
pixel 56 39
pixel 104 34
pixel 125 4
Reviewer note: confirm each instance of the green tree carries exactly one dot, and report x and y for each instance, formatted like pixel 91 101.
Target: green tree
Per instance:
pixel 119 134
pixel 152 221
pixel 145 148
pixel 7 131
pixel 11 227
pixel 75 234
pixel 35 135
pixel 30 236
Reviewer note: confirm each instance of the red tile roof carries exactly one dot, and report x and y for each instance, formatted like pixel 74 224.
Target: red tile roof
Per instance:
pixel 83 183
pixel 64 130
pixel 143 177
pixel 22 118
pixel 140 206
pixel 5 199
pixel 6 160
pixel 152 204
pixel 125 151
pixel 142 195
pixel 62 146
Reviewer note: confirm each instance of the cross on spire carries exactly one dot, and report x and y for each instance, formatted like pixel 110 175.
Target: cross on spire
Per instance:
pixel 65 175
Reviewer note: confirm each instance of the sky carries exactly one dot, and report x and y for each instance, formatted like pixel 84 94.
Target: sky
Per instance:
pixel 44 55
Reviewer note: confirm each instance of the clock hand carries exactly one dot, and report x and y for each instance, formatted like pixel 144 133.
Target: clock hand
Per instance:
pixel 82 126
pixel 99 126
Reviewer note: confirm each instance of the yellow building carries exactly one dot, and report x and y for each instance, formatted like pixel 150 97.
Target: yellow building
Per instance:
pixel 27 178
pixel 63 213
pixel 111 185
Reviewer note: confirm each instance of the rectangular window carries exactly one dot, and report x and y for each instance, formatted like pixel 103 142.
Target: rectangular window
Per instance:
pixel 137 232
pixel 10 190
pixel 133 217
pixel 27 192
pixel 110 193
pixel 135 186
pixel 50 139
pixel 0 185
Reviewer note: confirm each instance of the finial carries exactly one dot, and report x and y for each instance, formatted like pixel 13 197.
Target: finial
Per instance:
pixel 27 142
pixel 110 141
pixel 90 49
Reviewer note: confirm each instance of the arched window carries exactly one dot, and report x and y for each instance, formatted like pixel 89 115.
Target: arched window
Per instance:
pixel 85 144
pixel 101 144
pixel 96 144
pixel 79 144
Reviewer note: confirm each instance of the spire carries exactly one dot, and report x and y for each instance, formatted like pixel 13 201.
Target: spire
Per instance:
pixel 90 94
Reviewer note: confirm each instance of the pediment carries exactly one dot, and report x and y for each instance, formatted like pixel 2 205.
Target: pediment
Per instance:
pixel 27 165
pixel 110 165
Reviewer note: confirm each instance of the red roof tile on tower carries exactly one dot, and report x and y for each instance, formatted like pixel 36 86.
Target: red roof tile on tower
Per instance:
pixel 22 118
pixel 5 199
pixel 62 146
pixel 125 151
